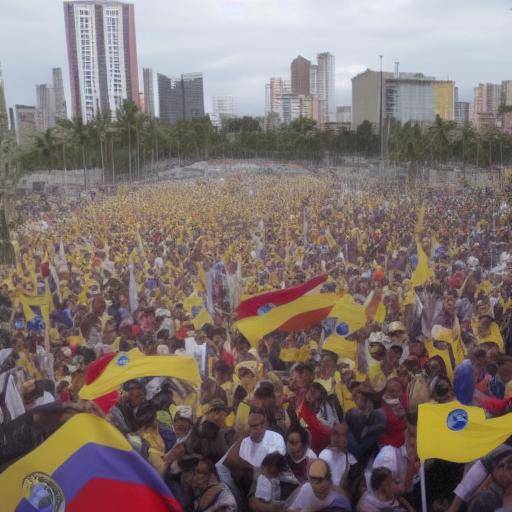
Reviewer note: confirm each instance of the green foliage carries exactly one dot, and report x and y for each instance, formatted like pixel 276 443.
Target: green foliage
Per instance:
pixel 134 143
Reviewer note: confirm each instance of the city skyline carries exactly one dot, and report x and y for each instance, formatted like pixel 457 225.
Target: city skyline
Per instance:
pixel 233 64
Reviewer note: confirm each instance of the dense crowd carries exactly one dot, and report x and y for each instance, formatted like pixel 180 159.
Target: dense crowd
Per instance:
pixel 304 420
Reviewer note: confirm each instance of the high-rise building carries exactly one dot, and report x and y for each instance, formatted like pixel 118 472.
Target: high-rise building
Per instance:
pixel 182 98
pixel 102 56
pixel 149 92
pixel 45 107
pixel 405 97
pixel 25 119
pixel 4 123
pixel 291 107
pixel 313 80
pixel 61 110
pixel 274 91
pixel 326 88
pixel 300 76
pixel 444 99
pixel 486 105
pixel 462 112
pixel 223 107
pixel 506 93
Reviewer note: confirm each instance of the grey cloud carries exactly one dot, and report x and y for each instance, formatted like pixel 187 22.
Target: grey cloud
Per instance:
pixel 238 44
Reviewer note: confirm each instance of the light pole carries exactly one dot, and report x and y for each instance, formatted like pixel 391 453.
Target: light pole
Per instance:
pixel 381 131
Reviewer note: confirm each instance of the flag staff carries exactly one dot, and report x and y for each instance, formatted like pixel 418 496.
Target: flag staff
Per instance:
pixel 423 487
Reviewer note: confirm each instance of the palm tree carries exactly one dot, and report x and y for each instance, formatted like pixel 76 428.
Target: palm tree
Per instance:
pixel 127 120
pixel 79 135
pixel 100 127
pixel 46 145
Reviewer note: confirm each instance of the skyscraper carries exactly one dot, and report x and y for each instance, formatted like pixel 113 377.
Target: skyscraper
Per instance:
pixel 149 93
pixel 102 56
pixel 326 88
pixel 223 107
pixel 4 123
pixel 61 110
pixel 300 76
pixel 180 98
pixel 45 107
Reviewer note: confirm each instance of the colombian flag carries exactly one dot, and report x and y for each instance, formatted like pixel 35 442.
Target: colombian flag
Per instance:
pixel 253 305
pixel 301 313
pixel 87 465
pixel 459 433
pixel 133 365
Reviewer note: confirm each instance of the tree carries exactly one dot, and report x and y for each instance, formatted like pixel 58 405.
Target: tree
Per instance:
pixel 80 135
pixel 46 144
pixel 127 121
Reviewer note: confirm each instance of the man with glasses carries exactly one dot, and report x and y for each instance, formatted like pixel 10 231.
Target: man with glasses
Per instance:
pixel 318 493
pixel 238 467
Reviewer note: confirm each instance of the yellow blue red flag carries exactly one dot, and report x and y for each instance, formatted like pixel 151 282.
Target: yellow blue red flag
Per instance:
pixel 86 465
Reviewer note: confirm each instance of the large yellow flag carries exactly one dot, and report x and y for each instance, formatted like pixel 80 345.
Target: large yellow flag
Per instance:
pixel 459 433
pixel 422 273
pixel 348 311
pixel 133 365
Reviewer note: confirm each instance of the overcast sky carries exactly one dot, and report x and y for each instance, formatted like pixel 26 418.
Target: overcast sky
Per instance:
pixel 238 44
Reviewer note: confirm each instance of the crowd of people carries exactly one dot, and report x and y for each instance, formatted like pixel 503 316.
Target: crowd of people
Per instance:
pixel 303 420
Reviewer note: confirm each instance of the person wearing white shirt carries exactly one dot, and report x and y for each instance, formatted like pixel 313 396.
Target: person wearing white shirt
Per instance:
pixel 403 462
pixel 337 456
pixel 244 458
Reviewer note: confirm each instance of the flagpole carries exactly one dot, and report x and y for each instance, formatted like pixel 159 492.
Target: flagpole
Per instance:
pixel 423 487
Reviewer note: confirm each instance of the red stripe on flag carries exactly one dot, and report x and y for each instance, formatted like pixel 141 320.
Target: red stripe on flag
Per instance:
pixel 250 306
pixel 305 320
pixel 117 496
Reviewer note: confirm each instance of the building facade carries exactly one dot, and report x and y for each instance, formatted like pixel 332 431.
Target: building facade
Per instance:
pixel 300 76
pixel 4 123
pixel 149 92
pixel 405 97
pixel 26 124
pixel 45 107
pixel 462 112
pixel 180 99
pixel 102 56
pixel 506 93
pixel 326 87
pixel 344 114
pixel 313 80
pixel 486 105
pixel 444 99
pixel 274 91
pixel 61 109
pixel 223 107
pixel 366 98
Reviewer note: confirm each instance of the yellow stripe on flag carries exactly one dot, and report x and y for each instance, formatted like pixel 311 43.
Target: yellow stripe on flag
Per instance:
pixel 133 365
pixel 254 328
